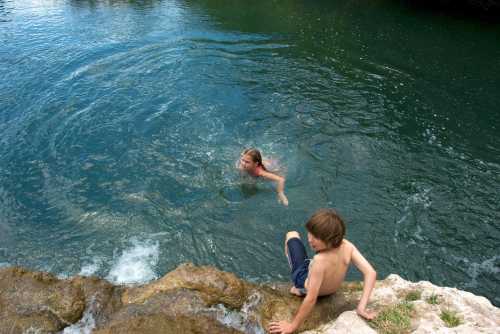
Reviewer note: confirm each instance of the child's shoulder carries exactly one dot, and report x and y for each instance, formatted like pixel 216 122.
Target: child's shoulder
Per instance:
pixel 347 244
pixel 347 247
pixel 344 251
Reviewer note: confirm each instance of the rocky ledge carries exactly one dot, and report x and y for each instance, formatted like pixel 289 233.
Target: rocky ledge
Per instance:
pixel 194 299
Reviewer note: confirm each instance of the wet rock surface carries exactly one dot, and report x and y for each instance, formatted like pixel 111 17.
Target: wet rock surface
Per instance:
pixel 37 300
pixel 193 299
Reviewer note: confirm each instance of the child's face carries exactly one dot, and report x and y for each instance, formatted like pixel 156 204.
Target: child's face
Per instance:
pixel 247 163
pixel 316 244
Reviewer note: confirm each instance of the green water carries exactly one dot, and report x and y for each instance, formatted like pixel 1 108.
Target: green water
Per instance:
pixel 120 123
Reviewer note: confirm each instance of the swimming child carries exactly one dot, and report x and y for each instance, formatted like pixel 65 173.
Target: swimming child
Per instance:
pixel 324 273
pixel 251 163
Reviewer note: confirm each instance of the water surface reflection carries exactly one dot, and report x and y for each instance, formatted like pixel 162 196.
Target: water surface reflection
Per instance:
pixel 121 122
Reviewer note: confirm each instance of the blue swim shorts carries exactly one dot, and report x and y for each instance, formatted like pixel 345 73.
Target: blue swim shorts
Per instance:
pixel 299 263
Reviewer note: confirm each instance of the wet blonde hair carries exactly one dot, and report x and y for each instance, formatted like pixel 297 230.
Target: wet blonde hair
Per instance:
pixel 255 155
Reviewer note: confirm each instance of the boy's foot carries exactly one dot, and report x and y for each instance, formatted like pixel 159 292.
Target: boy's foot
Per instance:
pixel 295 291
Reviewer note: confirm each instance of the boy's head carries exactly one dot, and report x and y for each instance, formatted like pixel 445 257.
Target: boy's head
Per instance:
pixel 327 226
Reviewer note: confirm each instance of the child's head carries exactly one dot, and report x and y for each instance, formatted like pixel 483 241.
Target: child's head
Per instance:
pixel 327 226
pixel 251 158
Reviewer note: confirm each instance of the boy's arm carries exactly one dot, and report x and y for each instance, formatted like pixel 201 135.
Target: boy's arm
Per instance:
pixel 370 276
pixel 280 185
pixel 315 279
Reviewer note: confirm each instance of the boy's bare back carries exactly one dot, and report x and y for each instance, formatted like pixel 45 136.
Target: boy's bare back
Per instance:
pixel 334 264
pixel 326 272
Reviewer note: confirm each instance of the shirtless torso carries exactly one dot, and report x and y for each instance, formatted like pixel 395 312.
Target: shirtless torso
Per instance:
pixel 326 271
pixel 334 264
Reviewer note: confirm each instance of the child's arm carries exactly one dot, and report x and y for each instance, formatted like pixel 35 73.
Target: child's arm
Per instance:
pixel 280 185
pixel 315 279
pixel 370 276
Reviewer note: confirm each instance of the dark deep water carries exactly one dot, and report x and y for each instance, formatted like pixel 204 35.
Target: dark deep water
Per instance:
pixel 120 122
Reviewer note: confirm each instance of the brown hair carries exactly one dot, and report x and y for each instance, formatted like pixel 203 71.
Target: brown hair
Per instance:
pixel 255 155
pixel 326 225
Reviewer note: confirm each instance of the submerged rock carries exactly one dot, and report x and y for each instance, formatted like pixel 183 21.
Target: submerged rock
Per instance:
pixel 193 299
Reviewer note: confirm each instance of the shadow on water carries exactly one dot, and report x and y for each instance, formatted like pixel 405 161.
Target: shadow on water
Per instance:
pixel 248 190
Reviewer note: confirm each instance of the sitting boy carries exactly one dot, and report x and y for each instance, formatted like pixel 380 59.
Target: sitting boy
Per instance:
pixel 323 274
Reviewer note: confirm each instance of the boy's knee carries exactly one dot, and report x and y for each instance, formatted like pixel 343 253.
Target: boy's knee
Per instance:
pixel 292 234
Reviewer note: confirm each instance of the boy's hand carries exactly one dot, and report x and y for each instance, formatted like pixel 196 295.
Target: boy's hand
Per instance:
pixel 368 315
pixel 281 327
pixel 282 199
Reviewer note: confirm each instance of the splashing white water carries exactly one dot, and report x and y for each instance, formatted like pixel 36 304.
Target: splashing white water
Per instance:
pixel 246 320
pixel 89 269
pixel 84 326
pixel 86 323
pixel 136 264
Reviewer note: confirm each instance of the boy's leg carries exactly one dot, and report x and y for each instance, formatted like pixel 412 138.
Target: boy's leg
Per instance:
pixel 297 260
pixel 290 235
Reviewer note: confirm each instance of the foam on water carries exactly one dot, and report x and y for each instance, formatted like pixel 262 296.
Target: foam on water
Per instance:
pixel 421 200
pixel 475 269
pixel 431 137
pixel 89 269
pixel 61 275
pixel 139 197
pixel 136 264
pixel 103 219
pixel 4 264
pixel 86 323
pixel 84 326
pixel 246 320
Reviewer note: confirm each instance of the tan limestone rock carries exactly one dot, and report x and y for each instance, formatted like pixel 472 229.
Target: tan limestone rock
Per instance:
pixel 477 314
pixel 37 301
pixel 217 286
pixel 347 323
pixel 193 299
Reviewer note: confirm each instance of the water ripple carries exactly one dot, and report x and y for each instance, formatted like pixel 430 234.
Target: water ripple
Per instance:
pixel 122 119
